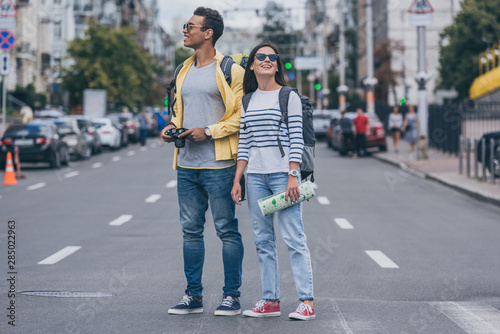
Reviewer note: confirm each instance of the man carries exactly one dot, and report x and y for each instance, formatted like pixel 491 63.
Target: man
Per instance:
pixel 161 118
pixel 361 126
pixel 210 109
pixel 347 134
pixel 143 127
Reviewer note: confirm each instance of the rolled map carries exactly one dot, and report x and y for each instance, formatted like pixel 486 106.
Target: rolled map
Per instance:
pixel 277 202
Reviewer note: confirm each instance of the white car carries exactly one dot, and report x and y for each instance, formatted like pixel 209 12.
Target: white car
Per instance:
pixel 110 136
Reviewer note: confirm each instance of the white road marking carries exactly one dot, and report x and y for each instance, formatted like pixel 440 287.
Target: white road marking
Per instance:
pixel 323 200
pixel 121 220
pixel 172 184
pixel 153 198
pixel 116 158
pixel 131 153
pixel 97 165
pixel 144 149
pixel 381 259
pixel 343 223
pixel 471 317
pixel 314 185
pixel 54 258
pixel 37 186
pixel 71 174
pixel 154 145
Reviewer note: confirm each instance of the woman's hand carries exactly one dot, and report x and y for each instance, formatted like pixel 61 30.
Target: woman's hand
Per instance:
pixel 292 189
pixel 236 192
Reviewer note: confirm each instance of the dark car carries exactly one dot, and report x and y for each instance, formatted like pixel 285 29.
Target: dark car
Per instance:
pixel 130 123
pixel 496 151
pixel 375 136
pixel 38 141
pixel 70 133
pixel 90 132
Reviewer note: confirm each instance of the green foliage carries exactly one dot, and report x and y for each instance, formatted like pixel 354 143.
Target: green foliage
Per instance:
pixel 182 53
pixel 475 29
pixel 114 60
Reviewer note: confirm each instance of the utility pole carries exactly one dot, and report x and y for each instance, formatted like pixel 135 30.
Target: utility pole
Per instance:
pixel 342 88
pixel 370 80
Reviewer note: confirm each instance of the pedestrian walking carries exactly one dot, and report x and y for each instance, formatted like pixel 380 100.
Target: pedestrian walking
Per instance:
pixel 395 125
pixel 209 108
pixel 162 118
pixel 347 132
pixel 268 172
pixel 143 127
pixel 361 124
pixel 410 126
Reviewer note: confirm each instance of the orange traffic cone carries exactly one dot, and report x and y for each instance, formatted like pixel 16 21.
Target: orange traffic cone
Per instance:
pixel 10 175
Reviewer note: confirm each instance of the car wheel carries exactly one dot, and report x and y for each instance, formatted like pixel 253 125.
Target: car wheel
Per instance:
pixel 383 148
pixel 56 160
pixel 87 153
pixel 65 158
pixel 496 163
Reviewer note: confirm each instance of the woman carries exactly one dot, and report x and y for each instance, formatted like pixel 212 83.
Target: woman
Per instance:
pixel 269 173
pixel 410 126
pixel 395 123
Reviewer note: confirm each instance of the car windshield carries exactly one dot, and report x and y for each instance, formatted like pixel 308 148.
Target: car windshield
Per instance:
pixel 27 129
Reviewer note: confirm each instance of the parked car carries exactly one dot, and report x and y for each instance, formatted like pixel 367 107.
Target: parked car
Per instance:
pixel 110 136
pixel 130 122
pixel 321 121
pixel 37 141
pixel 123 131
pixel 375 136
pixel 496 150
pixel 49 114
pixel 70 133
pixel 90 132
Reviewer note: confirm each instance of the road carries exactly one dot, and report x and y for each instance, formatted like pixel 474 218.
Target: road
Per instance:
pixel 392 253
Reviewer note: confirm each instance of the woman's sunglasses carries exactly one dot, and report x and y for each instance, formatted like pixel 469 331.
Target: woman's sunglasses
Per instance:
pixel 262 56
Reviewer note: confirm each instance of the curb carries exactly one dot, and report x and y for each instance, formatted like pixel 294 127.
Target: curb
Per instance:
pixel 471 193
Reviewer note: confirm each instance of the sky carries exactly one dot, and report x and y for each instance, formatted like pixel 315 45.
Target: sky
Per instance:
pixel 236 13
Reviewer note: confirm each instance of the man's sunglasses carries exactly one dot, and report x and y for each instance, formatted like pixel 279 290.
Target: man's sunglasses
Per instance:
pixel 263 56
pixel 189 26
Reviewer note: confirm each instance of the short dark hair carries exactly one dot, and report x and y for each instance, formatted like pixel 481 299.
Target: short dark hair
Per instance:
pixel 211 20
pixel 250 81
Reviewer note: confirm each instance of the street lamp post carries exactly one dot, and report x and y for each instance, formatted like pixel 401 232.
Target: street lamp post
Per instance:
pixel 370 80
pixel 342 88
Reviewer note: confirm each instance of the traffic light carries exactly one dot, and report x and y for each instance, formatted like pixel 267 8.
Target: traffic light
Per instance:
pixel 317 86
pixel 288 65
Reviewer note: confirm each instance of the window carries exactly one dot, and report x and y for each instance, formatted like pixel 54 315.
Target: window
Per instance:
pixel 57 30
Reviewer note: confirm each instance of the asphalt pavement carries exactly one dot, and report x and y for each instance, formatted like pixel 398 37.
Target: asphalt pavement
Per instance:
pixel 411 256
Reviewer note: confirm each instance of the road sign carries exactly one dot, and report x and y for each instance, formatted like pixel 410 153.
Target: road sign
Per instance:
pixel 421 7
pixel 7 8
pixel 7 22
pixel 7 40
pixel 4 63
pixel 309 63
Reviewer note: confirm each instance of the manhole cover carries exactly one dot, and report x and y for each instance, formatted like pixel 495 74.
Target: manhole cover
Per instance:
pixel 65 294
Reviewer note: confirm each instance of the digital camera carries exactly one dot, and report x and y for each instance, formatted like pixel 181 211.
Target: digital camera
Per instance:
pixel 174 133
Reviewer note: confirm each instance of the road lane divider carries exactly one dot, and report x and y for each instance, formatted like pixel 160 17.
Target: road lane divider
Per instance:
pixel 381 259
pixel 37 186
pixel 323 200
pixel 343 223
pixel 71 174
pixel 63 253
pixel 153 198
pixel 471 317
pixel 143 149
pixel 116 158
pixel 172 184
pixel 97 165
pixel 131 153
pixel 121 220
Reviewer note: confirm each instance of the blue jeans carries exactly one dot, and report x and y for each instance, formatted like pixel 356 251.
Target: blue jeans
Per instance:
pixel 196 188
pixel 292 231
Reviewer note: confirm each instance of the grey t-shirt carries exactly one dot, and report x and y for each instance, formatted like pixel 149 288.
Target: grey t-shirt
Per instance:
pixel 203 106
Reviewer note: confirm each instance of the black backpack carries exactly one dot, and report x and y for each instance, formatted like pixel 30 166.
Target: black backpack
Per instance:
pixel 226 64
pixel 307 164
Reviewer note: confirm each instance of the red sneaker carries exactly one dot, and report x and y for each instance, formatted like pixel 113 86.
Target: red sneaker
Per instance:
pixel 303 312
pixel 264 309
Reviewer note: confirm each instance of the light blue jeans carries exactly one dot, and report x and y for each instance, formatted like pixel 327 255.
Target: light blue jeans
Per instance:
pixel 292 231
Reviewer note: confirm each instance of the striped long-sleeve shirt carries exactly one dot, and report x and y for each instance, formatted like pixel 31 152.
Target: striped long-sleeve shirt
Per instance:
pixel 258 142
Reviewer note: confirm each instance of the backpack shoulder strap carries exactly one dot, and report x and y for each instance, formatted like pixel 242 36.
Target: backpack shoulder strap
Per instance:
pixel 284 95
pixel 245 101
pixel 172 86
pixel 226 65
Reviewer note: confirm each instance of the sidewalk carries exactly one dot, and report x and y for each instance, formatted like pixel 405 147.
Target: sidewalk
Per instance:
pixel 444 169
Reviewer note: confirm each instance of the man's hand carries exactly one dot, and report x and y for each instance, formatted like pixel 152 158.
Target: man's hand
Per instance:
pixel 194 134
pixel 163 136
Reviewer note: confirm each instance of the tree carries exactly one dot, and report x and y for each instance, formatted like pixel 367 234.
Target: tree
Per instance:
pixel 474 29
pixel 114 60
pixel 386 76
pixel 182 53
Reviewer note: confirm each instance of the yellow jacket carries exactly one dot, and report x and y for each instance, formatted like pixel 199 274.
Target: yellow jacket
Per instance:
pixel 225 132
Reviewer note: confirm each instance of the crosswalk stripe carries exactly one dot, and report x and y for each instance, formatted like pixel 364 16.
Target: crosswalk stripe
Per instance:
pixel 153 198
pixel 63 253
pixel 37 186
pixel 343 223
pixel 121 220
pixel 381 259
pixel 471 317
